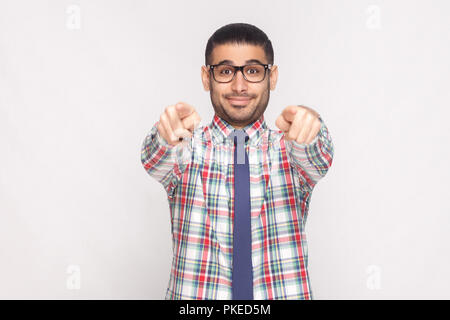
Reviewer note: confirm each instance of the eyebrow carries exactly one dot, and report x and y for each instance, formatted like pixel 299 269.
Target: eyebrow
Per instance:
pixel 226 61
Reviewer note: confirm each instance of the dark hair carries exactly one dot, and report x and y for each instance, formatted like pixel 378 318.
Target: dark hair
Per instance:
pixel 239 33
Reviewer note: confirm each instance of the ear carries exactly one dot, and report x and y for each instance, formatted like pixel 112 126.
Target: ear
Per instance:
pixel 205 77
pixel 273 77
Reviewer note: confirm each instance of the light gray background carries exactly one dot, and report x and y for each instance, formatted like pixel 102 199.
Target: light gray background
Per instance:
pixel 82 82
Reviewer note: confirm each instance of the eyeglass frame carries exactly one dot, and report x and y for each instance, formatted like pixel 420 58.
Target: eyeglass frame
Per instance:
pixel 240 68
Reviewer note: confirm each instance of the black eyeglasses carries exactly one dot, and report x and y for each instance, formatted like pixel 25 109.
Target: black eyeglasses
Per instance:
pixel 224 73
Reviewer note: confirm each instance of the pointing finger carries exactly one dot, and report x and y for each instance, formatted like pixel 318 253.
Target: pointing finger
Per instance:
pixel 167 131
pixel 289 113
pixel 296 127
pixel 184 109
pixel 175 123
pixel 282 124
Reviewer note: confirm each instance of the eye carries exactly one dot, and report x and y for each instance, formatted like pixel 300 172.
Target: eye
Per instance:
pixel 225 70
pixel 254 70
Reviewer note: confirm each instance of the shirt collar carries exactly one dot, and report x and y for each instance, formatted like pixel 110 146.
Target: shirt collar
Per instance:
pixel 221 129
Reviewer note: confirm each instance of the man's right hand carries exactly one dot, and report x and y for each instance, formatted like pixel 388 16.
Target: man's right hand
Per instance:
pixel 178 121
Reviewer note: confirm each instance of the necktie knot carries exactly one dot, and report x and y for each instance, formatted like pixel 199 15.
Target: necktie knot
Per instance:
pixel 240 136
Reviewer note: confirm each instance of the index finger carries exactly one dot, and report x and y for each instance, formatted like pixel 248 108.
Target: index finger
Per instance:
pixel 184 109
pixel 289 113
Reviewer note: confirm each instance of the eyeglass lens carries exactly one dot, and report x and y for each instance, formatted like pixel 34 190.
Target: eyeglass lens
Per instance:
pixel 253 73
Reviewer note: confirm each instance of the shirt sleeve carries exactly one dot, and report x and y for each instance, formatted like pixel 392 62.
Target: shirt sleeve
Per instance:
pixel 312 160
pixel 161 161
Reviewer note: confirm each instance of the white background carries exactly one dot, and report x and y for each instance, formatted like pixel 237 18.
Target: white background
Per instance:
pixel 82 83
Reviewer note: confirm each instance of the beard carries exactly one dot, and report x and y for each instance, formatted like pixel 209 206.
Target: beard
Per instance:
pixel 238 115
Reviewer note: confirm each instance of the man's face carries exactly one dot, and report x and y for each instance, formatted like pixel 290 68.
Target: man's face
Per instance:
pixel 251 99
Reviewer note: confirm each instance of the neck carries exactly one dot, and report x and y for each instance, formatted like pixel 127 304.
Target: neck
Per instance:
pixel 235 125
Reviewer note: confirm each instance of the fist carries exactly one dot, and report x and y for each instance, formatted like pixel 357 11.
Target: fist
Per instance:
pixel 177 122
pixel 299 123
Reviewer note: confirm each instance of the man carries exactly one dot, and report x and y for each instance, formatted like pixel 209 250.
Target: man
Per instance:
pixel 238 191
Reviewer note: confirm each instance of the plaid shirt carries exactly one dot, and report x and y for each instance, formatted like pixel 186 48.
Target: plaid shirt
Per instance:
pixel 197 175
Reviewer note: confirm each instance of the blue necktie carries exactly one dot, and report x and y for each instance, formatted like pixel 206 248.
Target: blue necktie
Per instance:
pixel 242 280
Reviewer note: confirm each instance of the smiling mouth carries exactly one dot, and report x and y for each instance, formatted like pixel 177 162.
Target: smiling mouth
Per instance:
pixel 239 101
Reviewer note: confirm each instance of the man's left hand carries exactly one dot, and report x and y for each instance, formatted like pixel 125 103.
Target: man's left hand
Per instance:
pixel 299 123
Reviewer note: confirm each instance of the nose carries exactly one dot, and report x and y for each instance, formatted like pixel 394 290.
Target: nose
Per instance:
pixel 239 84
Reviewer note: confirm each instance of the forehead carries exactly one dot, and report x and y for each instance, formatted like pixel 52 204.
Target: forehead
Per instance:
pixel 238 54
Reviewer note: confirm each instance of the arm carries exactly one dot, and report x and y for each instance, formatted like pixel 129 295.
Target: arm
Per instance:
pixel 159 159
pixel 312 160
pixel 164 154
